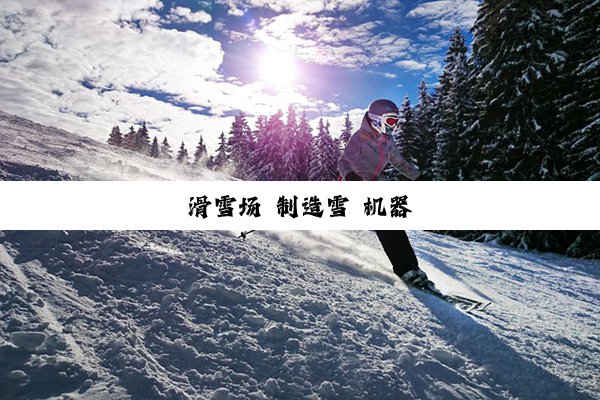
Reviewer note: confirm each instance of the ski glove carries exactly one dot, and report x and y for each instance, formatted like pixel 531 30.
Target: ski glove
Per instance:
pixel 423 178
pixel 353 176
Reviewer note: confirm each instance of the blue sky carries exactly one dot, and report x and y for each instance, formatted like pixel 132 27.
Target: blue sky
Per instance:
pixel 186 67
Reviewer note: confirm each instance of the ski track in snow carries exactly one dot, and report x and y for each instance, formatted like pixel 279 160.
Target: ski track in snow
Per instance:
pixel 294 314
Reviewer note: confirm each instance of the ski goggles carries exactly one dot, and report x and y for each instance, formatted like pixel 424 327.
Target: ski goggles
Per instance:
pixel 386 123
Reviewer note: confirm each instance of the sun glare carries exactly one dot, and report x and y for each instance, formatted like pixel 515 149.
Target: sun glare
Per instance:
pixel 278 70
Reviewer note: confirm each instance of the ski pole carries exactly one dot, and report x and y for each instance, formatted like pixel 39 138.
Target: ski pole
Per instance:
pixel 246 233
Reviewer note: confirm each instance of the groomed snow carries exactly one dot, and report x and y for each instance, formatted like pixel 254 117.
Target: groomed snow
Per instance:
pixel 296 314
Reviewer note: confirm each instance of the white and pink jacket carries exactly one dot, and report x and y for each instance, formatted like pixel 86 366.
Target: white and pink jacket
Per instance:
pixel 368 152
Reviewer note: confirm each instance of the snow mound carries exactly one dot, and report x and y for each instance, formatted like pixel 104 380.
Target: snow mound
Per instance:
pixel 206 315
pixel 30 151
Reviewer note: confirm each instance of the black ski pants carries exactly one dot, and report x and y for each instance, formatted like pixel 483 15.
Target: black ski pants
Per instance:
pixel 398 249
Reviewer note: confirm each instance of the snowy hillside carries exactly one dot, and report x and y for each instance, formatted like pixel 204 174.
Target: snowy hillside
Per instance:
pixel 30 151
pixel 301 314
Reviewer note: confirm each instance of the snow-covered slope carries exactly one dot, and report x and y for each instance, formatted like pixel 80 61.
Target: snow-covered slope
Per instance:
pixel 30 151
pixel 286 315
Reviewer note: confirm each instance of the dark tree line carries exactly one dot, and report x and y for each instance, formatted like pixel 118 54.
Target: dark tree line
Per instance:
pixel 275 150
pixel 580 244
pixel 139 141
pixel 280 150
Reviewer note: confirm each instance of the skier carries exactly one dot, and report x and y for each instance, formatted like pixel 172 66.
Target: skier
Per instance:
pixel 402 256
pixel 371 147
pixel 398 249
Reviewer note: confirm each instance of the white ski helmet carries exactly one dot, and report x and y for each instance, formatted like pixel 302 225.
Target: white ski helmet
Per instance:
pixel 383 116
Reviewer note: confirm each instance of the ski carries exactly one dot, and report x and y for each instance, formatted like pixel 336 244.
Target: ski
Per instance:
pixel 475 306
pixel 466 304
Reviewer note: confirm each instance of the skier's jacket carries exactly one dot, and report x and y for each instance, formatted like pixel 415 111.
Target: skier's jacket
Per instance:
pixel 368 152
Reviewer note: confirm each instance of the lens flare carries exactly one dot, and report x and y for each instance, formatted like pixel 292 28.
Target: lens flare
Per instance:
pixel 278 70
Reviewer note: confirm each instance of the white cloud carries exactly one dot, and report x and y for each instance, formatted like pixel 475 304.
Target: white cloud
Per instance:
pixel 436 67
pixel 106 50
pixel 390 8
pixel 78 65
pixel 332 41
pixel 237 7
pixel 279 32
pixel 411 65
pixel 447 14
pixel 184 14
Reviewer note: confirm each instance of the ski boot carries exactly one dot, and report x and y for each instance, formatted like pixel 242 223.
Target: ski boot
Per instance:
pixel 418 278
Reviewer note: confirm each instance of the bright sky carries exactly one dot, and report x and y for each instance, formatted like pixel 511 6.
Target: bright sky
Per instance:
pixel 187 67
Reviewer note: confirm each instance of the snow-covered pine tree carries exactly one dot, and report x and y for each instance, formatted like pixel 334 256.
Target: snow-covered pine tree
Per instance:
pixel 116 137
pixel 409 136
pixel 579 114
pixel 290 151
pixel 267 157
pixel 253 162
pixel 200 153
pixel 346 131
pixel 325 155
pixel 332 154
pixel 406 139
pixel 221 160
pixel 473 165
pixel 426 146
pixel 129 139
pixel 449 122
pixel 182 154
pixel 240 146
pixel 516 42
pixel 304 144
pixel 142 140
pixel 315 171
pixel 154 149
pixel 165 149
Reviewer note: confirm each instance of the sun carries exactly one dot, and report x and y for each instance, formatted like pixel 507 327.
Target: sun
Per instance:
pixel 278 70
